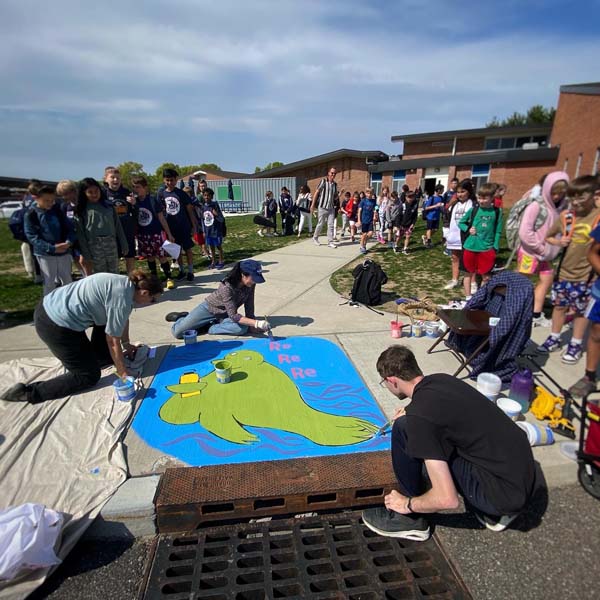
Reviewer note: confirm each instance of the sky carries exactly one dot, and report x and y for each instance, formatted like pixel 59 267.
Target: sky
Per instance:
pixel 242 84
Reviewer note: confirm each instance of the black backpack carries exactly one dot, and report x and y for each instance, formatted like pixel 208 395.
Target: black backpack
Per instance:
pixel 368 279
pixel 16 224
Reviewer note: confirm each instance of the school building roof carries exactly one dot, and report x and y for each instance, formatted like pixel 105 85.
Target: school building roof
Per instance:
pixel 474 133
pixel 592 89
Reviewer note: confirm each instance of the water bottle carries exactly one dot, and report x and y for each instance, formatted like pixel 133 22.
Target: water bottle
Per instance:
pixel 521 388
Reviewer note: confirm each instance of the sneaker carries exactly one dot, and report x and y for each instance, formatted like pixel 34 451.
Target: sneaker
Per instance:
pixel 429 244
pixel 170 284
pixel 447 252
pixel 572 354
pixel 541 321
pixel 190 276
pixel 18 393
pixel 316 241
pixel 219 266
pixel 494 523
pixel 550 345
pixel 451 284
pixel 582 388
pixel 211 266
pixel 180 275
pixel 392 524
pixel 405 251
pixel 260 233
pixel 396 249
pixel 332 245
pixel 269 235
pixel 363 250
pixel 174 316
pixel 474 287
pixel 424 240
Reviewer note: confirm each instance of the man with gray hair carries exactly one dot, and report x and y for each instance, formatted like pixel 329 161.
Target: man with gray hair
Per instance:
pixel 325 197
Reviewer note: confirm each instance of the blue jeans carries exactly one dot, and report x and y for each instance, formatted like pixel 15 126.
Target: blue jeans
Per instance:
pixel 409 472
pixel 200 317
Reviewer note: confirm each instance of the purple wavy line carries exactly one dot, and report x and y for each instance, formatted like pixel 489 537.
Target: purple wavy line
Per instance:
pixel 311 383
pixel 199 439
pixel 286 440
pixel 278 450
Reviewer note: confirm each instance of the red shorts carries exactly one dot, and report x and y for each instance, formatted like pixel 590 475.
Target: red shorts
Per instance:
pixel 479 262
pixel 199 238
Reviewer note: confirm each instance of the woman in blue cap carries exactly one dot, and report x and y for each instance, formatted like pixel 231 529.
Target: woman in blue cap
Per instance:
pixel 219 312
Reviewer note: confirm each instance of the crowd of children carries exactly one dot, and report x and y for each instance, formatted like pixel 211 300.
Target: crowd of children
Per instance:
pixel 95 225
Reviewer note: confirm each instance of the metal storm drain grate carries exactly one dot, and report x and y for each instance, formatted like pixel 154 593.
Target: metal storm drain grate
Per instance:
pixel 333 557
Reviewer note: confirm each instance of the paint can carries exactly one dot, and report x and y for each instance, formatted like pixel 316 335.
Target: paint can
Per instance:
pixel 489 385
pixel 223 371
pixel 190 336
pixel 431 329
pixel 396 328
pixel 417 329
pixel 125 389
pixel 538 435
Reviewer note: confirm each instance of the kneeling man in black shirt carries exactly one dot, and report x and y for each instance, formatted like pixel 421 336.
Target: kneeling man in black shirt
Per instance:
pixel 469 447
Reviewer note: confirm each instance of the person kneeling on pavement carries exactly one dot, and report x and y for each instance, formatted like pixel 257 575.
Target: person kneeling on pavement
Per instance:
pixel 467 444
pixel 219 312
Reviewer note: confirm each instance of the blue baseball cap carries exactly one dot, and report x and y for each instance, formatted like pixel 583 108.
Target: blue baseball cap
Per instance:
pixel 253 268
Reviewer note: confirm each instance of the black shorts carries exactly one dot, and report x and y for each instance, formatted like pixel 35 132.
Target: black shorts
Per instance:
pixel 366 227
pixel 184 240
pixel 433 225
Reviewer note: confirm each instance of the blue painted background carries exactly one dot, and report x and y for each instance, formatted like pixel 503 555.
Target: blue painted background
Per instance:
pixel 337 389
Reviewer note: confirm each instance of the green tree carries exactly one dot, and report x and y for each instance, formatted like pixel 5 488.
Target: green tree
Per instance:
pixel 271 165
pixel 129 169
pixel 535 115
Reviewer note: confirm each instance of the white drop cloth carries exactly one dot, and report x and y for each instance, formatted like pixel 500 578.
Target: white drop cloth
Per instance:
pixel 65 454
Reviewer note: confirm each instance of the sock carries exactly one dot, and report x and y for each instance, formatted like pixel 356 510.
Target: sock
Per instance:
pixel 576 341
pixel 190 268
pixel 591 375
pixel 555 336
pixel 166 268
pixel 536 314
pixel 152 266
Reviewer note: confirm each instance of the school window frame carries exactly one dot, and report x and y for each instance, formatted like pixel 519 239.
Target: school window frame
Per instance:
pixel 596 162
pixel 578 164
pixel 512 142
pixel 480 174
pixel 376 182
pixel 398 180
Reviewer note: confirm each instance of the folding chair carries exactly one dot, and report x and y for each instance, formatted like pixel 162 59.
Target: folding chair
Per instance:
pixel 464 322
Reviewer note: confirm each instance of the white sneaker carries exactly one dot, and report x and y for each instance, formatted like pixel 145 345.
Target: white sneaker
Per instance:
pixel 332 245
pixel 474 287
pixel 496 524
pixel 316 241
pixel 541 321
pixel 260 233
pixel 451 284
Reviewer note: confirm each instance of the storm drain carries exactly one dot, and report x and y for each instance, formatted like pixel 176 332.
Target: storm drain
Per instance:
pixel 333 557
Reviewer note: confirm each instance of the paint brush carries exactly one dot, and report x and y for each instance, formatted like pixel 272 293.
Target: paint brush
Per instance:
pixel 383 429
pixel 269 332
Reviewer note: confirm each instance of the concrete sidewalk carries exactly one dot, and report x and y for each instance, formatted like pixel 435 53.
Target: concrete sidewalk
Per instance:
pixel 299 300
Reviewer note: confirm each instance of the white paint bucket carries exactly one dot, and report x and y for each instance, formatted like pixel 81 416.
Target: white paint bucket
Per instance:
pixel 431 329
pixel 489 385
pixel 190 336
pixel 511 408
pixel 223 371
pixel 538 435
pixel 125 389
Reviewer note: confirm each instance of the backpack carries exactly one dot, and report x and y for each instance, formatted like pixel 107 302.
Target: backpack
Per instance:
pixel 515 216
pixel 16 224
pixel 368 279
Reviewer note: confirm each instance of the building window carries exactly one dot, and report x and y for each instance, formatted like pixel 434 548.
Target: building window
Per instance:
pixel 578 166
pixel 596 162
pixel 480 174
pixel 376 179
pixel 398 180
pixel 508 143
pixel 565 165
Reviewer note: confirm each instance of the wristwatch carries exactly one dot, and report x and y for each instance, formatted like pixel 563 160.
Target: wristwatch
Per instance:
pixel 408 504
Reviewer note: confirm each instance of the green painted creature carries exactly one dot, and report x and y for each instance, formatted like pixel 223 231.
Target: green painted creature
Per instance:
pixel 258 395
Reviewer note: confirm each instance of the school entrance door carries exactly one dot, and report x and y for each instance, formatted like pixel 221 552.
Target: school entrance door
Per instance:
pixel 435 176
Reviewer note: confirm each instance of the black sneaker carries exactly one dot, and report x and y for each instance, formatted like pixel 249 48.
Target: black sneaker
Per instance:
pixel 494 523
pixel 174 316
pixel 392 524
pixel 180 275
pixel 190 276
pixel 18 393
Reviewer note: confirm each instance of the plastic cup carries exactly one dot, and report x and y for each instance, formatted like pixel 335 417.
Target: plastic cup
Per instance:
pixel 396 329
pixel 511 408
pixel 190 336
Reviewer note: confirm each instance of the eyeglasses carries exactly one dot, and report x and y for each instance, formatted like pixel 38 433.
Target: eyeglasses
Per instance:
pixel 383 382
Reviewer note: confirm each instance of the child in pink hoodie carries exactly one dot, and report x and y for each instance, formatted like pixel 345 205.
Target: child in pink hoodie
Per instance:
pixel 535 255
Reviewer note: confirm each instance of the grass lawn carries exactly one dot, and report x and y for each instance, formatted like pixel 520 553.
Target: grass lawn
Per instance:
pixel 19 295
pixel 424 272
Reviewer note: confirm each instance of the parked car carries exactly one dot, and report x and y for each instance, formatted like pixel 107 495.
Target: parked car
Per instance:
pixel 8 208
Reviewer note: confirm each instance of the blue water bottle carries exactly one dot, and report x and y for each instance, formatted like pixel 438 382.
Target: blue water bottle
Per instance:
pixel 521 388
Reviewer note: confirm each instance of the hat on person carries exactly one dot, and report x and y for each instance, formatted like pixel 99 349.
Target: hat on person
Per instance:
pixel 253 268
